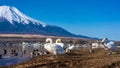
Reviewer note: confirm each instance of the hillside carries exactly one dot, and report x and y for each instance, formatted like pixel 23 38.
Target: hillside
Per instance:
pixel 12 21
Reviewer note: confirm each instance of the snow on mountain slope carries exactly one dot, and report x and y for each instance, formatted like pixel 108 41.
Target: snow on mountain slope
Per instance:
pixel 12 21
pixel 12 15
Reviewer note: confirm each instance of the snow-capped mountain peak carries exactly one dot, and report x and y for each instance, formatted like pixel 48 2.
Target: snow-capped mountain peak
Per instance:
pixel 12 15
pixel 12 21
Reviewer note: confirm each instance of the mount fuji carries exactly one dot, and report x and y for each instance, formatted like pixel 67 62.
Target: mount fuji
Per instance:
pixel 12 21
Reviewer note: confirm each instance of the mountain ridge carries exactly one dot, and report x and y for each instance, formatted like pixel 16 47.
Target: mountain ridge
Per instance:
pixel 13 21
pixel 12 14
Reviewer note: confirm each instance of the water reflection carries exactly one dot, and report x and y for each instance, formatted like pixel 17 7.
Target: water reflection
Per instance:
pixel 13 60
pixel 13 54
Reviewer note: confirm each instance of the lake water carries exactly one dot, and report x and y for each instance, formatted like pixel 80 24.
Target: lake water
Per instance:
pixel 13 60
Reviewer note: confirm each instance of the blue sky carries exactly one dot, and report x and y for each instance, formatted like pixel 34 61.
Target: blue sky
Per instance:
pixel 94 18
